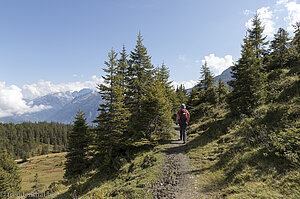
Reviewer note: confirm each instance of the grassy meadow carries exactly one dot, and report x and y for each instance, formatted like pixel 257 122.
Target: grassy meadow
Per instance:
pixel 50 168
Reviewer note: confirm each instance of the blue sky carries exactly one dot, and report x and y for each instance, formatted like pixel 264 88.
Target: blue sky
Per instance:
pixel 59 45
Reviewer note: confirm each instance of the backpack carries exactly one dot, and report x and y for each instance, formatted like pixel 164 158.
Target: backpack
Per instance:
pixel 183 115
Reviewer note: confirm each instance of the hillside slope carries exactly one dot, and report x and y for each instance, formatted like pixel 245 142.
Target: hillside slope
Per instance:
pixel 251 157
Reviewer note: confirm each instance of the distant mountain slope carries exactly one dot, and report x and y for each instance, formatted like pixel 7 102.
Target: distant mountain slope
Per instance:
pixel 87 102
pixel 64 106
pixel 225 75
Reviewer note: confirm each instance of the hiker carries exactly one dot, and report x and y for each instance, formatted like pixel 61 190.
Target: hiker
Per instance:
pixel 183 117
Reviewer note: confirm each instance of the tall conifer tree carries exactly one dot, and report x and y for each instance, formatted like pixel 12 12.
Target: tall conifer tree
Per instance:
pixel 78 143
pixel 279 49
pixel 222 91
pixel 204 91
pixel 122 68
pixel 193 98
pixel 207 80
pixel 140 72
pixel 248 86
pixel 294 57
pixel 113 118
pixel 157 109
pixel 164 75
pixel 181 95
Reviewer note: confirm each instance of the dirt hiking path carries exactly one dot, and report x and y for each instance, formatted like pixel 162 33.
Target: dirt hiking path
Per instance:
pixel 177 180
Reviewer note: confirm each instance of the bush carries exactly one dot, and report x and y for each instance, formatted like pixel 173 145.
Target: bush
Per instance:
pixel 286 143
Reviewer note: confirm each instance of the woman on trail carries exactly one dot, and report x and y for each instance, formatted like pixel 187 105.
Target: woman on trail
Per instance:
pixel 183 118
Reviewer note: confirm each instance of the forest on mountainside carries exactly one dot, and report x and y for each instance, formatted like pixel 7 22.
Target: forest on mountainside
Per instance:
pixel 28 139
pixel 25 140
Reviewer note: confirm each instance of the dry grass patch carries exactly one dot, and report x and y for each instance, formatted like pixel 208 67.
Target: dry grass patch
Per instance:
pixel 50 168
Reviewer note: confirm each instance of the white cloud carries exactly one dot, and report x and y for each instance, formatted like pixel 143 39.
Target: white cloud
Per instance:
pixel 12 97
pixel 12 102
pixel 248 24
pixel 31 91
pixel 281 2
pixel 187 84
pixel 284 12
pixel 266 16
pixel 293 14
pixel 218 64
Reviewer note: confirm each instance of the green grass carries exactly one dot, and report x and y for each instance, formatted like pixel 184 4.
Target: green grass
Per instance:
pixel 48 167
pixel 250 157
pixel 133 178
pixel 229 164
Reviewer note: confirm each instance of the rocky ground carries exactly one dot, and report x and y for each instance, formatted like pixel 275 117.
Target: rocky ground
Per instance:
pixel 177 180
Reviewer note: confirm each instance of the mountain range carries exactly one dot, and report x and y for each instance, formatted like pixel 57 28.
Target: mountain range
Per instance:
pixel 65 105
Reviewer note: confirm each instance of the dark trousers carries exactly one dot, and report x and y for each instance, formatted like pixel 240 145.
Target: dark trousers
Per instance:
pixel 183 131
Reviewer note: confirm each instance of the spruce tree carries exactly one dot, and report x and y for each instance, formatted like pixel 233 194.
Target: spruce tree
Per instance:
pixel 193 98
pixel 112 121
pixel 207 80
pixel 9 174
pixel 157 107
pixel 248 73
pixel 294 51
pixel 123 67
pixel 222 91
pixel 78 145
pixel 163 76
pixel 140 73
pixel 181 95
pixel 204 91
pixel 279 49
